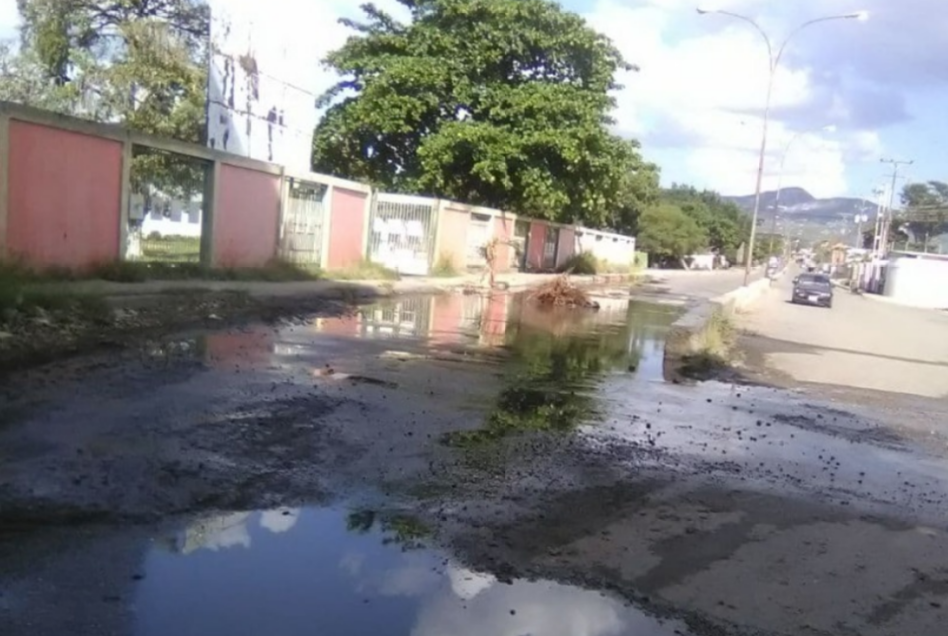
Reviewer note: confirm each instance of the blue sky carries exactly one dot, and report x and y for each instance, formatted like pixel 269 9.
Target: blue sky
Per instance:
pixel 697 102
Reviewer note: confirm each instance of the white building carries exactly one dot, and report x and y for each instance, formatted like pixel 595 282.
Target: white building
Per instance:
pixel 917 279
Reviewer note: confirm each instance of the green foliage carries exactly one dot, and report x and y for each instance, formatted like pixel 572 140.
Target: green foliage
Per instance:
pixel 23 80
pixel 581 264
pixel 767 245
pixel 714 348
pixel 668 234
pixel 25 290
pixel 641 260
pixel 553 368
pixel 925 214
pixel 400 529
pixel 502 103
pixel 724 222
pixel 141 63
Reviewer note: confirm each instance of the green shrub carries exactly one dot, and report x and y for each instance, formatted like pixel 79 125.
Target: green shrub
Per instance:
pixel 713 348
pixel 581 264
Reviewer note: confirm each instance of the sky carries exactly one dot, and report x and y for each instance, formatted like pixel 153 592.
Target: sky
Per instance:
pixel 697 103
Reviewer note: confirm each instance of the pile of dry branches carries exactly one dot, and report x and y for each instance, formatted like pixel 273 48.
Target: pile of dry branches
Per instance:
pixel 560 292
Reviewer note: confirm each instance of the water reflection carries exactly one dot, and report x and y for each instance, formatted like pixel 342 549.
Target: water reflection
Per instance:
pixel 557 356
pixel 339 572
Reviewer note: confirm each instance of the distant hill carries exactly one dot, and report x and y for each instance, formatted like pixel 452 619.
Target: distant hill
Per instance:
pixel 801 206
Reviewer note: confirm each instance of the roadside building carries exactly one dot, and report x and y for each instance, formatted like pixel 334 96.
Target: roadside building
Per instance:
pixel 917 279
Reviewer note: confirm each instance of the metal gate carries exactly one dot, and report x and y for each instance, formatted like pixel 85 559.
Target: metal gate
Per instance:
pixel 520 242
pixel 550 247
pixel 407 318
pixel 402 232
pixel 304 213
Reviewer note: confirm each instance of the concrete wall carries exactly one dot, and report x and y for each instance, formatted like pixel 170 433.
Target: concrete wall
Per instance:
pixel 64 197
pixel 504 232
pixel 246 218
pixel 347 223
pixel 65 193
pixel 451 236
pixel 917 281
pixel 566 247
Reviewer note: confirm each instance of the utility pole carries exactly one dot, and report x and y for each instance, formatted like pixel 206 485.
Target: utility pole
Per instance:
pixel 887 220
pixel 877 230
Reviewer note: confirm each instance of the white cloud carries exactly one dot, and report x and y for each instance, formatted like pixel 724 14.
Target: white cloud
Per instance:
pixel 703 91
pixel 279 520
pixel 534 608
pixel 700 91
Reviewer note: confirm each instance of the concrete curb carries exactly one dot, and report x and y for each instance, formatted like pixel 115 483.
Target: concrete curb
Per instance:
pixel 686 335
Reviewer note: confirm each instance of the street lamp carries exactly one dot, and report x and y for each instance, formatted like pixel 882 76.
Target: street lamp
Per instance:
pixel 830 128
pixel 774 61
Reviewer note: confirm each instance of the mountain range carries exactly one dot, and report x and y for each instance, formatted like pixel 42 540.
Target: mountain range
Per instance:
pixel 800 206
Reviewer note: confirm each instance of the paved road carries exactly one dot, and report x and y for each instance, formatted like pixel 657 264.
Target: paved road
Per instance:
pixel 861 343
pixel 699 284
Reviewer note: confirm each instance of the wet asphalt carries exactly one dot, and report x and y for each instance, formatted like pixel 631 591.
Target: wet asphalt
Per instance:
pixel 458 464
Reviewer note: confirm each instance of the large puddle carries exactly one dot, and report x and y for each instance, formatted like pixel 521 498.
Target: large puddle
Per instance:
pixel 395 432
pixel 301 572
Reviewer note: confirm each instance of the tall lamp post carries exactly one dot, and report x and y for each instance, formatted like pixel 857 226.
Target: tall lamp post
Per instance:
pixel 830 128
pixel 774 61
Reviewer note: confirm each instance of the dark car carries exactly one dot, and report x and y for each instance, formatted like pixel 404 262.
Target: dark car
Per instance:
pixel 813 289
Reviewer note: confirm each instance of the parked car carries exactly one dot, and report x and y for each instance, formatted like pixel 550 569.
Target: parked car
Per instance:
pixel 812 289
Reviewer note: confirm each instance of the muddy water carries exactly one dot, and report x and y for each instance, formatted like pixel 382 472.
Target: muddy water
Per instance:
pixel 188 436
pixel 457 464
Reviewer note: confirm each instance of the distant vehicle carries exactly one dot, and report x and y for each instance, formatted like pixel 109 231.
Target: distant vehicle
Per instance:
pixel 812 289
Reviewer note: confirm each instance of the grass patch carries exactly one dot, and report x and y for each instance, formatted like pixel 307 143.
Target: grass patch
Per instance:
pixel 713 348
pixel 23 291
pixel 444 267
pixel 179 249
pixel 141 271
pixel 581 264
pixel 365 270
pixel 586 264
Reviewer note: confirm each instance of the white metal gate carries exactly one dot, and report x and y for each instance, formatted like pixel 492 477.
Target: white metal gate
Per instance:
pixel 304 213
pixel 402 232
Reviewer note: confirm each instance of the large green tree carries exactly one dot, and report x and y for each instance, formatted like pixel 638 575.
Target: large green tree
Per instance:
pixel 668 234
pixel 726 225
pixel 141 63
pixel 504 103
pixel 925 215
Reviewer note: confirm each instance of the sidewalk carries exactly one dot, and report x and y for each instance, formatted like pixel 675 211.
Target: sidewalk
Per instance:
pixel 333 288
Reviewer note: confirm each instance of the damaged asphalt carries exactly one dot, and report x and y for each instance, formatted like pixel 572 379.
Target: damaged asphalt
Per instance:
pixel 461 465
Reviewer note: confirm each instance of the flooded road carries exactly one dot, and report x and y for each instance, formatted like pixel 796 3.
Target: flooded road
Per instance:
pixel 454 464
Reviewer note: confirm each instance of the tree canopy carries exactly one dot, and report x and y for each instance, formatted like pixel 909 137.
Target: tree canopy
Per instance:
pixel 504 103
pixel 136 62
pixel 668 234
pixel 139 63
pixel 925 215
pixel 726 225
